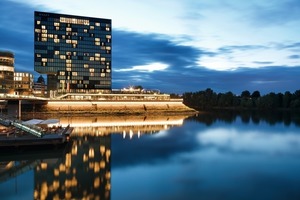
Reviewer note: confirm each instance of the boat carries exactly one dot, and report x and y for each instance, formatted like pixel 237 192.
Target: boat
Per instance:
pixel 16 133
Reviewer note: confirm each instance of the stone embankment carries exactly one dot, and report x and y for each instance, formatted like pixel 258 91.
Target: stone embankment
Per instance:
pixel 116 107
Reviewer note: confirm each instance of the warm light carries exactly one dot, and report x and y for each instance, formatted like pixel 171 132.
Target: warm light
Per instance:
pixel 91 153
pixel 56 172
pixel 44 191
pixel 44 166
pixel 68 195
pixel 62 168
pixel 102 164
pixel 107 155
pixel 68 161
pixel 55 185
pixel 97 182
pixel 85 158
pixel 96 167
pixel 102 149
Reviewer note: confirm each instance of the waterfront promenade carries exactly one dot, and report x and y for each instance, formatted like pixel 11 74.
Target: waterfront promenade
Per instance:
pixel 101 104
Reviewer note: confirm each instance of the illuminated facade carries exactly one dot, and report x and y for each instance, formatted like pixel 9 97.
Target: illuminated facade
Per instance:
pixel 23 83
pixel 6 72
pixel 74 52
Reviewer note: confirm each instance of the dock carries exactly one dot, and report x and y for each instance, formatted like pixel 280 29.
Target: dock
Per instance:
pixel 16 133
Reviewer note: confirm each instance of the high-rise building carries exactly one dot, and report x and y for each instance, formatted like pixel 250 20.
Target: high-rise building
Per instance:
pixel 6 72
pixel 74 52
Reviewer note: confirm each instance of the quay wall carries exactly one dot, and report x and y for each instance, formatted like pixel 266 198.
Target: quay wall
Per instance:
pixel 125 107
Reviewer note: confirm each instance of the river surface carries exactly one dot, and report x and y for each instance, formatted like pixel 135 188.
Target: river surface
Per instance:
pixel 220 156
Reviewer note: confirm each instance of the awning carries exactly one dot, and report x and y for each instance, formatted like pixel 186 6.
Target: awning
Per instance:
pixel 40 121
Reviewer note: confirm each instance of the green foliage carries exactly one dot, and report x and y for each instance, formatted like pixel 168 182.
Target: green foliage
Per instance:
pixel 208 99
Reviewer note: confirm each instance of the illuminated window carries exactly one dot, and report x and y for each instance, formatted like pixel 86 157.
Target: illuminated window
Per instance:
pixel 102 59
pixel 97 43
pixel 68 41
pixel 108 36
pixel 44 31
pixel 68 29
pixel 50 35
pixel 38 22
pixel 56 40
pixel 97 54
pixel 43 27
pixel 44 39
pixel 102 74
pixel 107 29
pixel 38 30
pixel 74 73
pixel 62 57
pixel 92 58
pixel 44 59
pixel 85 30
pixel 62 73
pixel 85 65
pixel 92 27
pixel 56 52
pixel 92 70
pixel 38 55
pixel 97 39
pixel 97 24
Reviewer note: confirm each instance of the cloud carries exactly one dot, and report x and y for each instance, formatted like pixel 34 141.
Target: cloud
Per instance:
pixel 294 57
pixel 146 68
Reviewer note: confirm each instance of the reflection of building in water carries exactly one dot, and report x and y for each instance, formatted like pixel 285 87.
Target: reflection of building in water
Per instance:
pixel 83 174
pixel 126 125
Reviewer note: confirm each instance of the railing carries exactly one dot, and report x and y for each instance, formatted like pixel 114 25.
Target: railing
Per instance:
pixel 27 129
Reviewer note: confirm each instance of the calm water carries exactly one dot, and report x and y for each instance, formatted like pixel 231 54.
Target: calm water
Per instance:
pixel 222 156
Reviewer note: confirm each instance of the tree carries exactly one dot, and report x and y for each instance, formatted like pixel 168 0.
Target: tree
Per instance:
pixel 245 94
pixel 255 94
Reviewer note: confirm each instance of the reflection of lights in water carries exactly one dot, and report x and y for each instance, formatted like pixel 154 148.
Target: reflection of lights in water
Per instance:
pixel 130 134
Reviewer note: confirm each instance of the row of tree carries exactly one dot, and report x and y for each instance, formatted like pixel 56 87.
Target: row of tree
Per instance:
pixel 208 99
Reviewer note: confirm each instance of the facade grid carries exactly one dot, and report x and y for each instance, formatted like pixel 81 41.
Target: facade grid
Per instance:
pixel 74 52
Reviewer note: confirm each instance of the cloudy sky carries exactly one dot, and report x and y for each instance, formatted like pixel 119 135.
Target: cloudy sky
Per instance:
pixel 180 46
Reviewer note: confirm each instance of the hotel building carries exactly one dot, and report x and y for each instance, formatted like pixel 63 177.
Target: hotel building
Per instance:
pixel 6 72
pixel 74 52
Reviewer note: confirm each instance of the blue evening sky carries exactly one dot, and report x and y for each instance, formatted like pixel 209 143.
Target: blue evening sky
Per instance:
pixel 180 46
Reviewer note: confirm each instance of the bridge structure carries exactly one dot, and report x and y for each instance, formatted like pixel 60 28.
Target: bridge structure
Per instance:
pixel 6 98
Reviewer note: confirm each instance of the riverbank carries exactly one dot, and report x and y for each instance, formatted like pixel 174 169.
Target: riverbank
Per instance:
pixel 116 107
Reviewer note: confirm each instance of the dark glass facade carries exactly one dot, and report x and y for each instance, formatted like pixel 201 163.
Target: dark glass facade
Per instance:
pixel 74 52
pixel 6 72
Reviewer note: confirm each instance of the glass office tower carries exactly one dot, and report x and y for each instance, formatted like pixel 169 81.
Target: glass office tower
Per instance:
pixel 74 52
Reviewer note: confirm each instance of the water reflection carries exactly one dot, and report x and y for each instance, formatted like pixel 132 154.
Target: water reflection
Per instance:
pixel 81 170
pixel 225 155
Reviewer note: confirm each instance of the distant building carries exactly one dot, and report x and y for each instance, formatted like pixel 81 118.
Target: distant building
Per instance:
pixel 6 72
pixel 40 87
pixel 74 52
pixel 23 83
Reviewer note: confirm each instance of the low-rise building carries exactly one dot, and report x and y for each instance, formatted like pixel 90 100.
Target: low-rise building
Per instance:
pixel 6 72
pixel 23 82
